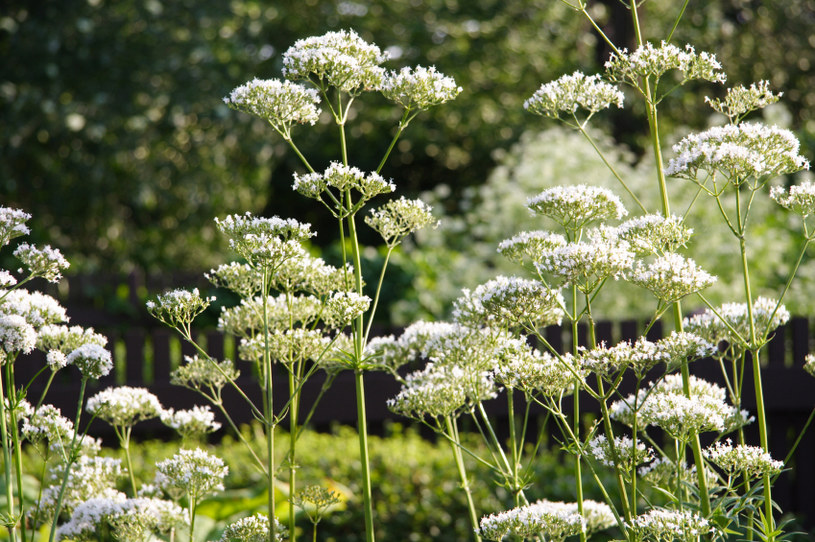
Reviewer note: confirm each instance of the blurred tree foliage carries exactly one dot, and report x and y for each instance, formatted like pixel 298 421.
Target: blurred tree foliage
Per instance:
pixel 114 135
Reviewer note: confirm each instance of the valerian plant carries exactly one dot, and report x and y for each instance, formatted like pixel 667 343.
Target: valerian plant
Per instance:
pixel 497 342
pixel 296 311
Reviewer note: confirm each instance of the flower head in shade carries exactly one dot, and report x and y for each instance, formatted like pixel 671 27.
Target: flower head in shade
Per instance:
pixel 554 521
pixel 252 529
pixel 512 301
pixel 520 366
pixel 625 454
pixel 419 87
pixel 654 234
pixel 738 152
pixel 280 103
pixel 809 364
pixel 575 206
pixel 572 92
pixel 752 460
pixel 195 473
pixel 671 277
pixel 740 100
pixel 799 198
pixel 341 59
pixel 204 375
pixel 649 60
pixel 731 321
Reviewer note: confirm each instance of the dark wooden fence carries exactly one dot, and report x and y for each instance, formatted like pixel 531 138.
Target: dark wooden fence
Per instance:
pixel 146 353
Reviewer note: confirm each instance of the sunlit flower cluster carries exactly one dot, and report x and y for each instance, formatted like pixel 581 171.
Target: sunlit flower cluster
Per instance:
pixel 439 390
pixel 16 335
pixel 397 219
pixel 752 460
pixel 92 360
pixel 741 100
pixel 341 59
pixel 800 198
pixel 89 477
pixel 12 224
pixel 654 234
pixel 731 321
pixel 419 87
pixel 586 264
pixel 38 309
pixel 129 519
pixel 253 529
pixel 649 60
pixel 518 301
pixel 124 405
pixel 671 277
pixel 520 366
pixel 204 374
pixel 527 246
pixel 264 242
pixel 342 179
pixel 47 422
pixel 552 520
pixel 281 103
pixel 663 525
pixel 643 355
pixel 195 473
pixel 191 423
pixel 45 262
pixel 739 152
pixel 575 206
pixel 625 454
pixel 570 92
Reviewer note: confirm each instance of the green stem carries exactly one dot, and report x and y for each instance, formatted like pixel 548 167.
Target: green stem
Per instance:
pixel 362 428
pixel 402 125
pixel 678 18
pixel 69 461
pixel 455 444
pixel 376 296
pixel 293 434
pixel 268 408
pixel 124 442
pixel 516 485
pixel 7 460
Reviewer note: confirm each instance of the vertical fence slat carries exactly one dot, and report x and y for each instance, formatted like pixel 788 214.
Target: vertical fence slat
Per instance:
pixel 777 349
pixel 800 340
pixel 134 356
pixel 161 355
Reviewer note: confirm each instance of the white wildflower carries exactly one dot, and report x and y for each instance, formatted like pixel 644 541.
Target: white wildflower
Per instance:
pixel 654 234
pixel 37 309
pixel 341 59
pixel 742 459
pixel 527 246
pixel 586 264
pixel 515 301
pixel 800 198
pixel 281 103
pixel 738 152
pixel 396 219
pixel 552 520
pixel 522 367
pixel 767 316
pixel 195 473
pixel 12 224
pixel 178 308
pixel 740 100
pixel 47 422
pixel 124 406
pixel 419 87
pixel 663 524
pixel 204 374
pixel 575 206
pixel 45 262
pixel 192 423
pixel 252 529
pixel 570 92
pixel 16 335
pixel 671 277
pixel 625 454
pixel 651 61
pixel 809 364
pixel 92 360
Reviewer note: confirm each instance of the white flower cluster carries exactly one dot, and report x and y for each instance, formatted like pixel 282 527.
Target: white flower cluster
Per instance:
pixel 45 262
pixel 16 335
pixel 341 59
pixel 264 242
pixel 752 460
pixel 129 519
pixel 6 279
pixel 767 316
pixel 528 245
pixel 92 360
pixel 252 529
pixel 517 301
pixel 643 355
pixel 437 390
pixel 281 103
pixel 800 198
pixel 663 525
pixel 666 405
pixel 740 100
pixel 654 234
pixel 586 264
pixel 247 318
pixel 419 87
pixel 625 454
pixel 89 477
pixel 195 473
pixel 575 206
pixel 47 422
pixel 204 374
pixel 285 346
pixel 124 406
pixel 570 92
pixel 397 219
pixel 520 366
pixel 191 423
pixel 671 277
pixel 651 61
pixel 746 150
pixel 178 308
pixel 343 307
pixel 311 275
pixel 342 178
pixel 237 277
pixel 554 521
pixel 12 224
pixel 65 339
pixel 37 309
pixel 809 364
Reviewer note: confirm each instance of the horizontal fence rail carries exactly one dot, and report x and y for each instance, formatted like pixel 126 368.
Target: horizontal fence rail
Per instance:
pixel 146 354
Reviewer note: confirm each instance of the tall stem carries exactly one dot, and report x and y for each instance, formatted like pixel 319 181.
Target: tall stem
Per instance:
pixel 268 408
pixel 455 444
pixel 293 434
pixel 362 428
pixel 7 461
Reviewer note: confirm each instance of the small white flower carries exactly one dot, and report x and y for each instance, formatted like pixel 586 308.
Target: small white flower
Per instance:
pixel 92 360
pixel 575 206
pixel 419 88
pixel 570 92
pixel 551 520
pixel 742 459
pixel 664 524
pixel 43 262
pixel 196 473
pixel 124 406
pixel 741 100
pixel 800 198
pixel 252 529
pixel 191 423
pixel 178 308
pixel 16 335
pixel 671 277
pixel 399 218
pixel 651 61
pixel 281 103
pixel 12 224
